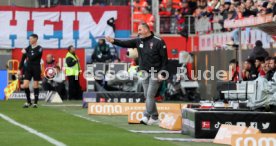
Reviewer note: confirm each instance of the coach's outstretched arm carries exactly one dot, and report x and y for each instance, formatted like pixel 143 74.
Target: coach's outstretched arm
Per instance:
pixel 127 44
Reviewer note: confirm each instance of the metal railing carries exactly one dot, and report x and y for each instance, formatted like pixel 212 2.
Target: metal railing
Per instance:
pixel 170 25
pixel 203 25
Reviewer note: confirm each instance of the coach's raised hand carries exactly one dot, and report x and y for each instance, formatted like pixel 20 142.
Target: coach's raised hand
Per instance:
pixel 109 39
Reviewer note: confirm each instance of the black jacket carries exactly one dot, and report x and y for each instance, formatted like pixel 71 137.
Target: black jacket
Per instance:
pixel 258 52
pixel 152 52
pixel 269 75
pixel 101 53
pixel 70 61
pixel 32 56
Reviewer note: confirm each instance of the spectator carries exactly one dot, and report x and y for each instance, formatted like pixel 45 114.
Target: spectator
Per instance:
pixel 50 61
pixel 185 9
pixel 78 2
pixel 142 15
pixel 250 72
pixel 42 3
pixel 248 11
pixel 192 4
pixel 99 2
pixel 176 4
pixel 258 51
pixel 66 2
pixel 45 3
pixel 253 70
pixel 269 8
pixel 262 72
pixel 254 8
pixel 231 15
pixel 266 64
pixel 59 83
pixel 101 52
pixel 139 4
pixel 87 2
pixel 234 66
pixel 217 20
pixel 262 9
pixel 232 7
pixel 272 69
pixel 214 4
pixel 259 64
pixel 171 6
pixel 273 8
pixel 49 73
pixel 202 3
pixel 224 9
pixel 239 11
pixel 163 9
pixel 148 18
pixel 180 15
pixel 246 73
pixel 168 6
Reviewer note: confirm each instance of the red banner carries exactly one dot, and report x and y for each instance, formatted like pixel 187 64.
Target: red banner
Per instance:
pixel 61 26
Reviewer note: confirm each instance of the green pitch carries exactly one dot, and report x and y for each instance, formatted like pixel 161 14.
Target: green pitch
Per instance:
pixel 63 124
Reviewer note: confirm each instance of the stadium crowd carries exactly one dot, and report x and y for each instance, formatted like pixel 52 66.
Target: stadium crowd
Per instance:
pixel 216 11
pixel 258 63
pixel 219 11
pixel 176 12
pixel 44 3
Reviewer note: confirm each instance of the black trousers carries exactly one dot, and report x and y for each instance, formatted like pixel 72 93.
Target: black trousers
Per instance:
pixel 75 92
pixel 60 88
pixel 47 86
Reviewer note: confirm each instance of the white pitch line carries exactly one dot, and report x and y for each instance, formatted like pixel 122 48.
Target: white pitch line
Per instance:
pixel 86 118
pixel 154 132
pixel 33 131
pixel 184 139
pixel 62 105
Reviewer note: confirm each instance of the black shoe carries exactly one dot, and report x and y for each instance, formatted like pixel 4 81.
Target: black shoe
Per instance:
pixel 35 106
pixel 26 105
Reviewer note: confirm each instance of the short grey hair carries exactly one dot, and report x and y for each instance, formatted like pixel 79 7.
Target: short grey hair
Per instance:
pixel 145 25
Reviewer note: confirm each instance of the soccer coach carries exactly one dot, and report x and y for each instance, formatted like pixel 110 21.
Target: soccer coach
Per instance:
pixel 152 52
